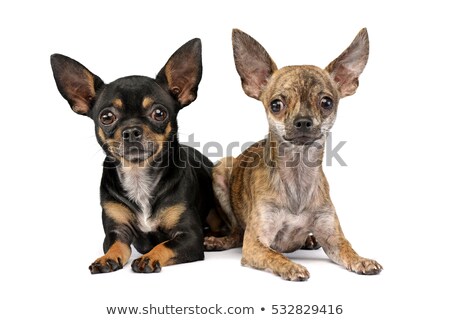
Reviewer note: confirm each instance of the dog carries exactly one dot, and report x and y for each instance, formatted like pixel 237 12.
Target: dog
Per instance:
pixel 155 193
pixel 275 196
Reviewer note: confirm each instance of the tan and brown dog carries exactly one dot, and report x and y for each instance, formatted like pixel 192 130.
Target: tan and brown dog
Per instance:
pixel 275 195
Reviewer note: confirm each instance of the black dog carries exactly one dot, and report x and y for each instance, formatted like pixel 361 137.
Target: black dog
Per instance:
pixel 155 193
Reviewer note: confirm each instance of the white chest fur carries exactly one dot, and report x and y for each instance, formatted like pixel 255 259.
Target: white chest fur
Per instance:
pixel 286 222
pixel 139 186
pixel 283 231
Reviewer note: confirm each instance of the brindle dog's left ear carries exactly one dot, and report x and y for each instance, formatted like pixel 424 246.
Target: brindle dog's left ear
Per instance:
pixel 183 71
pixel 346 68
pixel 253 63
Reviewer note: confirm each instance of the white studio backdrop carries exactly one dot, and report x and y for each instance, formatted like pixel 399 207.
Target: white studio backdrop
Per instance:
pixel 391 197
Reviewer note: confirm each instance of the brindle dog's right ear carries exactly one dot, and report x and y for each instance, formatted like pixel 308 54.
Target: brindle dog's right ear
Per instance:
pixel 76 83
pixel 346 69
pixel 253 63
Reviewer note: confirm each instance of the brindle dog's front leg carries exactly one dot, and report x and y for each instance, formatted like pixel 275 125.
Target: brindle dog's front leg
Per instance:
pixel 257 255
pixel 328 232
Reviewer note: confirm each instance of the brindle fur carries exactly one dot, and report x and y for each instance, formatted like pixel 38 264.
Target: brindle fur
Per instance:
pixel 275 195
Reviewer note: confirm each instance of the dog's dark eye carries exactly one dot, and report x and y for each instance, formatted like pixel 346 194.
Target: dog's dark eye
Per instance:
pixel 326 103
pixel 276 105
pixel 159 115
pixel 107 118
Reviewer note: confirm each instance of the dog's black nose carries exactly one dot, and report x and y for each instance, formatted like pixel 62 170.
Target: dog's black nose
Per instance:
pixel 132 134
pixel 303 124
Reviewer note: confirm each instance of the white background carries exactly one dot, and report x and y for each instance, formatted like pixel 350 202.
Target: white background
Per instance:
pixel 392 198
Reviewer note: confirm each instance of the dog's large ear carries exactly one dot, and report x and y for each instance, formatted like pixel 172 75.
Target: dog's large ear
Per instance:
pixel 253 63
pixel 76 83
pixel 346 68
pixel 183 71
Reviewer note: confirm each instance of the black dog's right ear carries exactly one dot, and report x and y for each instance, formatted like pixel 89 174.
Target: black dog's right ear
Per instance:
pixel 253 63
pixel 182 73
pixel 76 83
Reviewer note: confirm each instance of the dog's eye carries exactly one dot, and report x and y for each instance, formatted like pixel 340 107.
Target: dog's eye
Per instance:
pixel 107 118
pixel 276 105
pixel 326 103
pixel 159 115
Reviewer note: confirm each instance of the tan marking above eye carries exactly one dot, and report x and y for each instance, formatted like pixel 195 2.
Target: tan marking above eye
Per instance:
pixel 147 102
pixel 118 103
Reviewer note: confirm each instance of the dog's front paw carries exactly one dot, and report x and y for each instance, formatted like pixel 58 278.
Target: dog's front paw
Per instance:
pixel 365 266
pixel 294 272
pixel 106 264
pixel 146 265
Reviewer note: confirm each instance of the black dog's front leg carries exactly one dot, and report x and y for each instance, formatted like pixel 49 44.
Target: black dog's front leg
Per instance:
pixel 116 223
pixel 185 245
pixel 183 248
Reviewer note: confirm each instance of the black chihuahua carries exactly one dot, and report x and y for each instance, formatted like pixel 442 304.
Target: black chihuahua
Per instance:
pixel 155 193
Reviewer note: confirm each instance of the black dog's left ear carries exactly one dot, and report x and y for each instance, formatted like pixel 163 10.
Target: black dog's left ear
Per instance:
pixel 346 69
pixel 183 72
pixel 76 83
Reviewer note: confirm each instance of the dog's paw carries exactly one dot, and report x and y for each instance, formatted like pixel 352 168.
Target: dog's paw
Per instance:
pixel 310 243
pixel 146 265
pixel 214 243
pixel 293 272
pixel 222 243
pixel 365 266
pixel 106 264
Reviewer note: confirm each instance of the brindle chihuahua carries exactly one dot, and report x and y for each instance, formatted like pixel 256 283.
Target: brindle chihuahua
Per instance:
pixel 275 194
